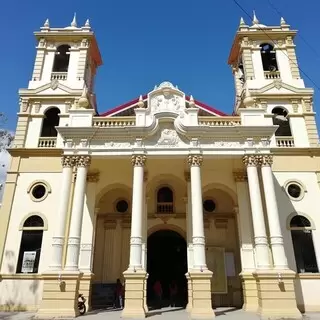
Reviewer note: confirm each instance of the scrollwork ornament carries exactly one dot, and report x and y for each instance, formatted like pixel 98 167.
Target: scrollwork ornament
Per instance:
pixel 67 161
pixel 251 161
pixel 267 160
pixel 83 161
pixel 138 160
pixel 195 160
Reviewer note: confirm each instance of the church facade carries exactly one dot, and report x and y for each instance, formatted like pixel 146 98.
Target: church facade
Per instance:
pixel 163 188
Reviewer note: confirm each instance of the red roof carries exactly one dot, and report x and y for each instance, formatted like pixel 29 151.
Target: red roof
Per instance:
pixel 131 103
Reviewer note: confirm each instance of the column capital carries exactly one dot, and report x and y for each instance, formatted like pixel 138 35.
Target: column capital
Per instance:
pixel 138 160
pixel 145 176
pixel 93 177
pixel 251 160
pixel 82 161
pixel 67 161
pixel 240 176
pixel 195 160
pixel 267 160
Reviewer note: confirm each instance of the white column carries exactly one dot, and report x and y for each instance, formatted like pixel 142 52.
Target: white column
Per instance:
pixel 59 233
pixel 189 222
pixel 72 262
pixel 144 226
pixel 276 238
pixel 135 262
pixel 198 238
pixel 259 228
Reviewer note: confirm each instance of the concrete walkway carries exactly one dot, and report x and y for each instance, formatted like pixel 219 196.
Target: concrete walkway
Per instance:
pixel 162 314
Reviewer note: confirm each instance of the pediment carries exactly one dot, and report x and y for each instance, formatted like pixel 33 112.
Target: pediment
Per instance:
pixel 163 98
pixel 280 88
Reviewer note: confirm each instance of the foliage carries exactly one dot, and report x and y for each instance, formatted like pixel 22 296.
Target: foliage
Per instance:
pixel 6 137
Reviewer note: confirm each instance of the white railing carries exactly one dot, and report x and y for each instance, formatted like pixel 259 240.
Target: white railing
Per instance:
pixel 114 122
pixel 272 75
pixel 47 142
pixel 59 75
pixel 219 121
pixel 285 142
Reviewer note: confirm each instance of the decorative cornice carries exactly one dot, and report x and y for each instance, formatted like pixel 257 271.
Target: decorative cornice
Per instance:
pixel 138 160
pixel 240 175
pixel 195 160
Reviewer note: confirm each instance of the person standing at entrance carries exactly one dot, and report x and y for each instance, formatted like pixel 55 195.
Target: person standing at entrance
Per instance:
pixel 119 294
pixel 173 293
pixel 157 288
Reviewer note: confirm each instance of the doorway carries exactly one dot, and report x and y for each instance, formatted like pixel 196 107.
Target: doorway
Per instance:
pixel 167 262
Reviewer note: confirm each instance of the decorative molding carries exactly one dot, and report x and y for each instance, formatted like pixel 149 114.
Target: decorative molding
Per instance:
pixel 187 176
pixel 93 177
pixel 83 161
pixel 145 176
pixel 240 175
pixel 195 160
pixel 138 160
pixel 266 160
pixel 221 223
pixel 68 161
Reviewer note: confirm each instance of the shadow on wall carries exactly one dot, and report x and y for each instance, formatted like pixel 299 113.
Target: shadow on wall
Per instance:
pixel 13 290
pixel 285 208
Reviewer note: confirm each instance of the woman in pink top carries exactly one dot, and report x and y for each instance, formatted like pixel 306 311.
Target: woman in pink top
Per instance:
pixel 157 288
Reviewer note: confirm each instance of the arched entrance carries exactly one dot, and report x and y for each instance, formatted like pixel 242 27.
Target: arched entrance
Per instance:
pixel 167 262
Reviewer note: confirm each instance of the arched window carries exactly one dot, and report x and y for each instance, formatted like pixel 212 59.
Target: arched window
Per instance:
pixel 30 246
pixel 302 241
pixel 268 56
pixel 280 119
pixel 165 200
pixel 61 59
pixel 50 121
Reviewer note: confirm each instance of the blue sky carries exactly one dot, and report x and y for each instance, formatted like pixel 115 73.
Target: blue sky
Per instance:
pixel 146 42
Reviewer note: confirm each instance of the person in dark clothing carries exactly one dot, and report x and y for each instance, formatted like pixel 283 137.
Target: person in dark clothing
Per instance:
pixel 119 294
pixel 173 293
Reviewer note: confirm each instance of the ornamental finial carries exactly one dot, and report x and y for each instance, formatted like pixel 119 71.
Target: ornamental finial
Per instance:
pixel 74 21
pixel 46 24
pixel 255 19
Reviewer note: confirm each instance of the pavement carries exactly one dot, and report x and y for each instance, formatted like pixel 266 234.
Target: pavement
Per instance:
pixel 160 314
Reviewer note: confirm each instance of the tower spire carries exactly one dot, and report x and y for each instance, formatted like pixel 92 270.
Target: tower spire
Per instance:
pixel 74 21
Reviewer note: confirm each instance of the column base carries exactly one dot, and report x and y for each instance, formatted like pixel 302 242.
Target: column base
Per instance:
pixel 60 295
pixel 201 294
pixel 276 294
pixel 189 305
pixel 250 292
pixel 85 287
pixel 134 303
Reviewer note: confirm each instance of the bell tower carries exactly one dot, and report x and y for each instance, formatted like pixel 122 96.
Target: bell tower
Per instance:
pixel 267 77
pixel 69 55
pixel 64 70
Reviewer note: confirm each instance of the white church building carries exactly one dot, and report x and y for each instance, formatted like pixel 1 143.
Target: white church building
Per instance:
pixel 163 188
